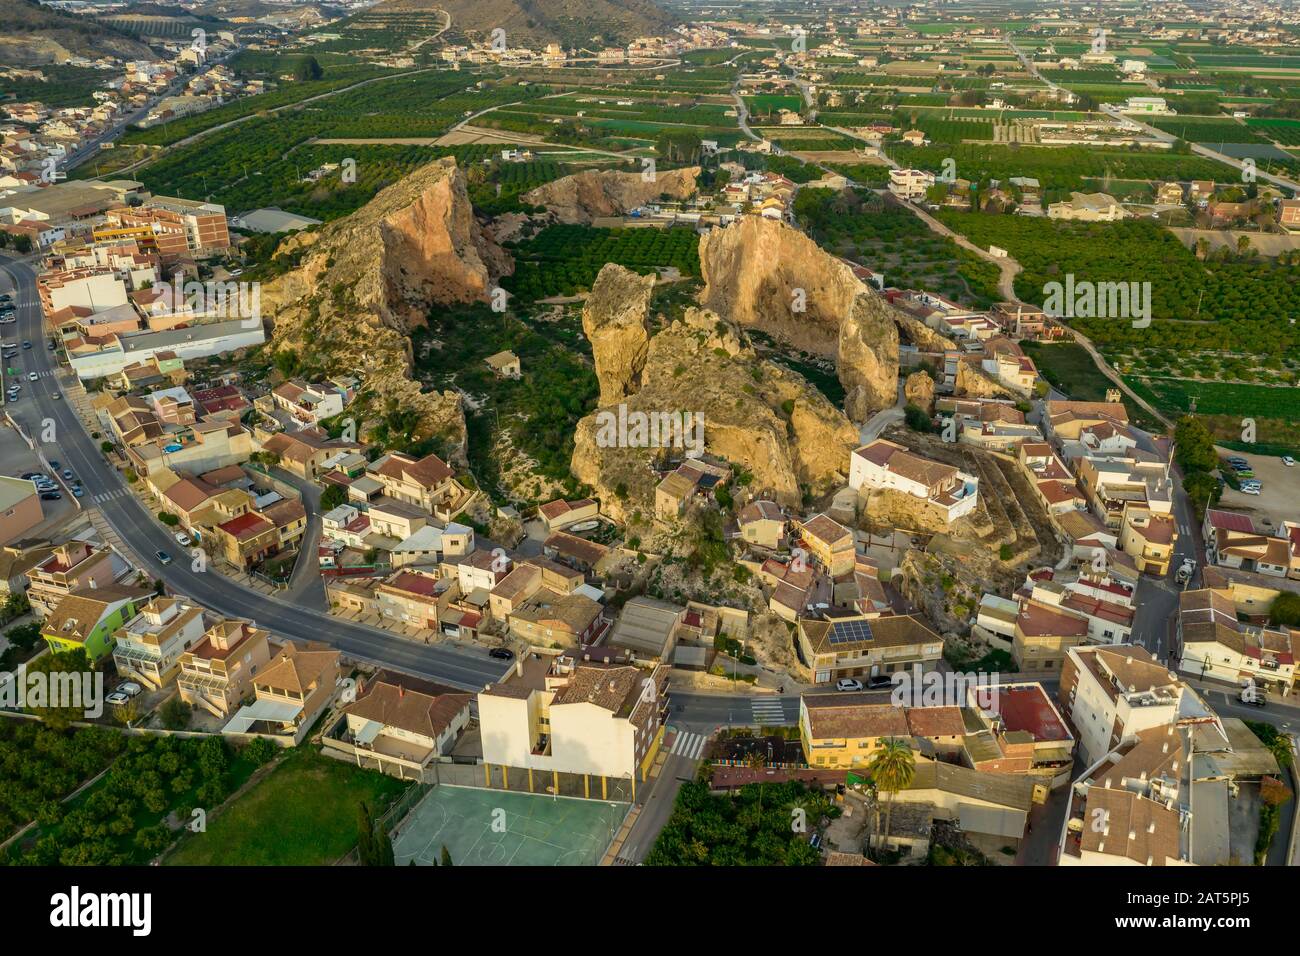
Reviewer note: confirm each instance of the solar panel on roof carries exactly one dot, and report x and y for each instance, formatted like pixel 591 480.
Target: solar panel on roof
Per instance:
pixel 847 632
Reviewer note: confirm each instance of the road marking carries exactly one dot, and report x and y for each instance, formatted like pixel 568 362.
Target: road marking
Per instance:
pixel 689 745
pixel 768 709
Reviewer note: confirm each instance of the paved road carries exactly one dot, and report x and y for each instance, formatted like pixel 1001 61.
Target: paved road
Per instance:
pixel 76 450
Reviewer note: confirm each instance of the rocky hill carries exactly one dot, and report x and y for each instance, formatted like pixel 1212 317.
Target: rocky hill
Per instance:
pixel 767 275
pixel 33 35
pixel 363 282
pixel 573 23
pixel 588 195
pixel 757 414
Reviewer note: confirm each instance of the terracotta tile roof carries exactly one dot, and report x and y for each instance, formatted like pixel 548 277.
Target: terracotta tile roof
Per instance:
pixel 295 669
pixel 392 705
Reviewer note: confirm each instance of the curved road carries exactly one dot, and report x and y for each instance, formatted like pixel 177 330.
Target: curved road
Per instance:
pixel 76 450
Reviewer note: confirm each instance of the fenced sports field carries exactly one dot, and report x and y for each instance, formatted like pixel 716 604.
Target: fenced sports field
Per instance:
pixel 481 827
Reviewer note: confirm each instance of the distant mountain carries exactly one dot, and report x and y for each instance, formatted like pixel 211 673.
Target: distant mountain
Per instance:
pixel 572 23
pixel 32 35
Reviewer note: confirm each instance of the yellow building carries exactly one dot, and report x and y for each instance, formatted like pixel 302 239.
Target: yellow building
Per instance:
pixel 1148 538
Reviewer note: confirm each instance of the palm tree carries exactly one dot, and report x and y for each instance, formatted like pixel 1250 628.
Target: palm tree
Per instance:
pixel 892 768
pixel 755 760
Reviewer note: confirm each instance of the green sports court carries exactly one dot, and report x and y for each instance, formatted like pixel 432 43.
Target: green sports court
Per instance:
pixel 501 828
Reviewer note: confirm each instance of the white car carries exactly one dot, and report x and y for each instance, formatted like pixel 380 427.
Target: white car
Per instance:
pixel 1251 489
pixel 848 683
pixel 1288 460
pixel 32 376
pixel 182 539
pixel 130 688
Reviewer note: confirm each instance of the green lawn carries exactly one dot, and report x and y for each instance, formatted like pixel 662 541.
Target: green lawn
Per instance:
pixel 304 813
pixel 1070 369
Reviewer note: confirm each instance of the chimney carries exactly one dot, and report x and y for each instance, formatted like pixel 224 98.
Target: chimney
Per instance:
pixel 92 583
pixel 519 667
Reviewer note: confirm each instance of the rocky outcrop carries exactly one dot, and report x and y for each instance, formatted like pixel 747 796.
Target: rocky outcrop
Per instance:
pixel 918 390
pixel 758 415
pixel 766 275
pixel 589 195
pixel 868 358
pixel 973 382
pixel 615 320
pixel 361 283
pixel 921 335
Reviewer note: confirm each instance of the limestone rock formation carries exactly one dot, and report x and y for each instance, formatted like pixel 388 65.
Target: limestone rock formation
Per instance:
pixel 921 335
pixel 868 357
pixel 585 196
pixel 974 382
pixel 614 319
pixel 918 390
pixel 766 275
pixel 361 283
pixel 757 415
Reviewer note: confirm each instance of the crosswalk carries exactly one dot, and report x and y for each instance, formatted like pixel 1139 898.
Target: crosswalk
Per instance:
pixel 768 710
pixel 100 498
pixel 689 745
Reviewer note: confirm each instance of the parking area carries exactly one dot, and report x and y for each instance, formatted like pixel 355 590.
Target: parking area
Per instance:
pixel 1280 490
pixel 20 460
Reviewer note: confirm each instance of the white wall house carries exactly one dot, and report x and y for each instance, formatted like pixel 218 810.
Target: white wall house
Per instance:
pixel 886 465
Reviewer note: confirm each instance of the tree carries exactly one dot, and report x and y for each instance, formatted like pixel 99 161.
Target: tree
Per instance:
pixel 332 497
pixel 308 69
pixel 892 768
pixel 175 713
pixel 366 849
pixel 917 419
pixel 1285 609
pixel 756 761
pixel 1195 446
pixel 444 858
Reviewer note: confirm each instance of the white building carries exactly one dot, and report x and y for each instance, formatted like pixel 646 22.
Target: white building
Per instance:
pixel 910 184
pixel 573 717
pixel 1112 692
pixel 886 465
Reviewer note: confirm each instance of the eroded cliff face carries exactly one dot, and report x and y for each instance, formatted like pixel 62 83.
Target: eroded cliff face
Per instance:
pixel 974 382
pixel 364 281
pixel 702 364
pixel 921 335
pixel 585 196
pixel 615 320
pixel 867 362
pixel 767 275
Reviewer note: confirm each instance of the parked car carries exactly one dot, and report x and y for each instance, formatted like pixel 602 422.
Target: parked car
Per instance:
pixel 67 474
pixel 879 681
pixel 848 683
pixel 50 496
pixel 501 654
pixel 77 491
pixel 27 345
pixel 183 539
pixel 1288 461
pixel 54 464
pixel 1253 696
pixel 163 557
pixel 130 688
pixel 1251 489
pixel 116 699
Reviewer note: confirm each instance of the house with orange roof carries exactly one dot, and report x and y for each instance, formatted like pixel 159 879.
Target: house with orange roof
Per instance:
pixel 217 673
pixel 289 693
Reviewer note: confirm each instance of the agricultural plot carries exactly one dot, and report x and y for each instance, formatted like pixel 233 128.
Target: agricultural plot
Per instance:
pixel 1235 305
pixel 1220 398
pixel 953 130
pixel 1065 168
pixel 1283 131
pixel 564 260
pixel 893 241
pixel 1206 129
